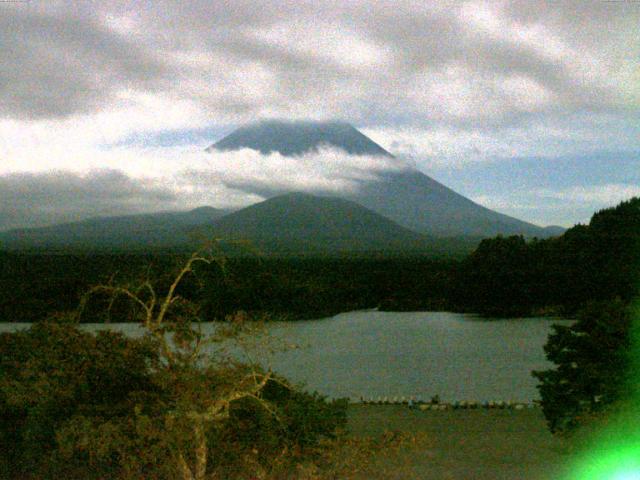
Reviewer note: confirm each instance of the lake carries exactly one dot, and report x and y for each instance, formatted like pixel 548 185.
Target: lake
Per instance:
pixel 391 354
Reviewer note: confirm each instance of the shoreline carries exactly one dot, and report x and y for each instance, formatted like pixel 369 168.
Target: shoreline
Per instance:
pixel 412 403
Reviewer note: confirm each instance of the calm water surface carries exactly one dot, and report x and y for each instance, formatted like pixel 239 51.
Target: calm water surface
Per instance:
pixel 378 354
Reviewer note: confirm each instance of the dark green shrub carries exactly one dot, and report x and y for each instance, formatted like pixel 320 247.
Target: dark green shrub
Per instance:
pixel 79 405
pixel 592 359
pixel 53 373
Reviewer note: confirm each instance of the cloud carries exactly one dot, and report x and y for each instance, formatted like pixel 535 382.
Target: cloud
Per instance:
pixel 60 63
pixel 561 206
pixel 453 62
pixel 84 141
pixel 135 179
pixel 602 195
pixel 441 146
pixel 37 199
pixel 327 170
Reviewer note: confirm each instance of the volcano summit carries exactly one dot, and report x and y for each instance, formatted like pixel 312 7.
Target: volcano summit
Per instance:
pixel 406 196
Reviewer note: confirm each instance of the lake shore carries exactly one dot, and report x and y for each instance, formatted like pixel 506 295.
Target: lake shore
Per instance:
pixel 373 354
pixel 468 444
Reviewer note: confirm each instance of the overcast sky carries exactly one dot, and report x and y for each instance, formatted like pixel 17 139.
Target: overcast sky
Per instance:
pixel 531 108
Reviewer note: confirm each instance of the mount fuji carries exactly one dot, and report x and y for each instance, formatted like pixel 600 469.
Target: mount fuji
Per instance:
pixel 389 210
pixel 407 196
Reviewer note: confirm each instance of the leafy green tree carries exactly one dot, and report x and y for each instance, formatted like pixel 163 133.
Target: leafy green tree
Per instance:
pixel 592 358
pixel 495 278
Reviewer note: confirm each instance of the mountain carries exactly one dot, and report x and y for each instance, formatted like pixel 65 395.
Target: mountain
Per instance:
pixel 418 202
pixel 398 211
pixel 302 223
pixel 295 138
pixel 408 197
pixel 294 223
pixel 127 232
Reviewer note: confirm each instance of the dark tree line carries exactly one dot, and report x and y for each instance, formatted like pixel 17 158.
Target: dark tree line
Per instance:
pixel 596 368
pixel 504 276
pixel 595 262
pixel 35 286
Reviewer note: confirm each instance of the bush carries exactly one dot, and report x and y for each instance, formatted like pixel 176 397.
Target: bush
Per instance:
pixel 74 404
pixel 79 405
pixel 592 360
pixel 53 374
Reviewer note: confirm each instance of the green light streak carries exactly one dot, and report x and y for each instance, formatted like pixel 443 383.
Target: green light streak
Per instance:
pixel 613 452
pixel 617 461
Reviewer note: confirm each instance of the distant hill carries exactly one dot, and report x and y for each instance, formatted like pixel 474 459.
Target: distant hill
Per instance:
pixel 299 223
pixel 295 223
pixel 127 232
pixel 409 197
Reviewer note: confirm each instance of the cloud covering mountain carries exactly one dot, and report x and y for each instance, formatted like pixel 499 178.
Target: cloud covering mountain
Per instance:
pixel 39 199
pixel 382 183
pixel 456 86
pixel 155 179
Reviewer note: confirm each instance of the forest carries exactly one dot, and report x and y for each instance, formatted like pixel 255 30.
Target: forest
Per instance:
pixel 503 276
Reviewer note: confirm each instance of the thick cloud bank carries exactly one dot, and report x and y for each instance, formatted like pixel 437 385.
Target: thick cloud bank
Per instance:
pixel 365 61
pixel 56 63
pixel 327 170
pixel 153 179
pixel 38 199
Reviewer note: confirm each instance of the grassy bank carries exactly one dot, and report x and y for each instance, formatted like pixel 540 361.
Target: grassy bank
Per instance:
pixel 468 444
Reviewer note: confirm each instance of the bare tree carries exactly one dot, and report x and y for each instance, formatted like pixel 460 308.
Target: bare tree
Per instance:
pixel 170 320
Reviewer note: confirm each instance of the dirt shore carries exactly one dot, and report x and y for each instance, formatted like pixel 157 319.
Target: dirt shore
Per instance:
pixel 469 444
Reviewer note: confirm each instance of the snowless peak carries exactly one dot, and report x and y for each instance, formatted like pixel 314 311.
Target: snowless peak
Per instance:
pixel 290 138
pixel 405 196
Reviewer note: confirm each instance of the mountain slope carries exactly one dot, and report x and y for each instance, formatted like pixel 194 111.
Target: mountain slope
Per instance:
pixel 418 202
pixel 127 232
pixel 302 223
pixel 409 197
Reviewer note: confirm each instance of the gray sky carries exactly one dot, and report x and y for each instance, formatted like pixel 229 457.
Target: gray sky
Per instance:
pixel 531 108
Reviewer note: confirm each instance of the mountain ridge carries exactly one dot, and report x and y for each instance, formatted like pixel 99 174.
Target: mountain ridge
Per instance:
pixel 153 230
pixel 300 223
pixel 293 224
pixel 409 197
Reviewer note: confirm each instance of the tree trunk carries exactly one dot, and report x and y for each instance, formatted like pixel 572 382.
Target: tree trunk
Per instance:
pixel 201 451
pixel 184 468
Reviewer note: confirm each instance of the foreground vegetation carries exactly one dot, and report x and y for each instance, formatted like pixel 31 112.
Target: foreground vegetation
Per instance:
pixel 593 366
pixel 172 404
